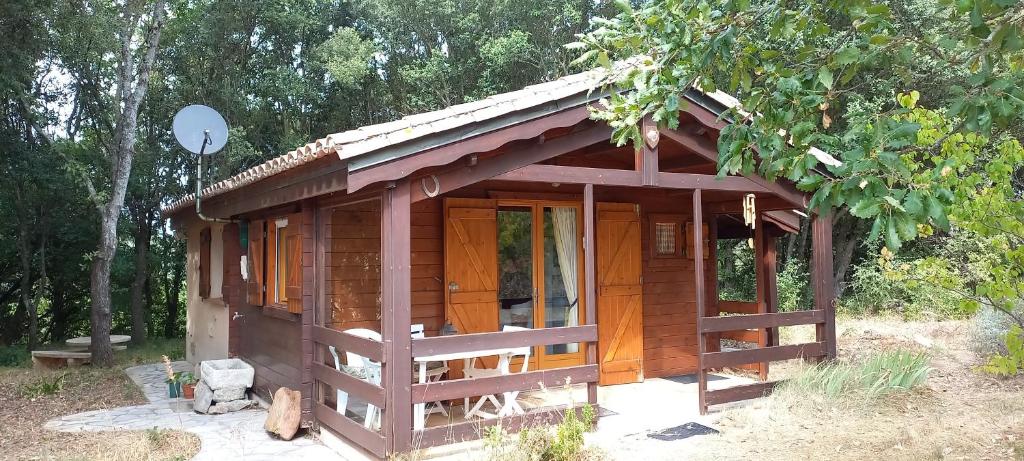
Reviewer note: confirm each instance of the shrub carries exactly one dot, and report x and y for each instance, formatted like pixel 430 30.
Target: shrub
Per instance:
pixel 44 385
pixel 929 287
pixel 793 287
pixel 14 356
pixel 563 442
pixel 881 374
pixel 1012 361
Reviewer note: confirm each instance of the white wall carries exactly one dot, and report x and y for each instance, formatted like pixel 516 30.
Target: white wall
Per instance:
pixel 206 335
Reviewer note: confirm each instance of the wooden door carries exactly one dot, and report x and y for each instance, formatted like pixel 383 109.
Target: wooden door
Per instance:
pixel 619 298
pixel 471 265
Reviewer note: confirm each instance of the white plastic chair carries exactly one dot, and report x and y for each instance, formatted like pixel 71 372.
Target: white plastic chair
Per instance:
pixel 370 373
pixel 472 372
pixel 433 374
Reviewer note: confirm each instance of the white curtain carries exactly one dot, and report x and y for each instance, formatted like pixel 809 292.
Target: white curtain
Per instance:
pixel 564 222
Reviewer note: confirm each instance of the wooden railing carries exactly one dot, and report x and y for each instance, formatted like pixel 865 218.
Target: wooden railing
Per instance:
pixel 754 322
pixel 461 388
pixel 332 379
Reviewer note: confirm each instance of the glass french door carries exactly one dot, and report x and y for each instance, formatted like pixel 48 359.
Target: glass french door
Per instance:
pixel 540 263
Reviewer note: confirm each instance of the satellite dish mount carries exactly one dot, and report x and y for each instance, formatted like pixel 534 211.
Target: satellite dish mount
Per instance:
pixel 201 130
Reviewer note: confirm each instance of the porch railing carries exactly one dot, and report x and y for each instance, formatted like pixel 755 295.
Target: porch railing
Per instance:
pixel 461 388
pixel 328 377
pixel 722 325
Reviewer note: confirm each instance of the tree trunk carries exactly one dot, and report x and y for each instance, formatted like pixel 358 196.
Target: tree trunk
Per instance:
pixel 99 288
pixel 25 252
pixel 846 241
pixel 138 306
pixel 131 90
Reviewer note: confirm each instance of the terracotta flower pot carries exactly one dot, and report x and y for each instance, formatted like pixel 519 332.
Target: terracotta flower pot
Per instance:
pixel 188 391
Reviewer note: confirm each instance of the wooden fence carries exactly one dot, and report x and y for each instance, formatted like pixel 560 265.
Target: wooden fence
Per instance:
pixel 324 376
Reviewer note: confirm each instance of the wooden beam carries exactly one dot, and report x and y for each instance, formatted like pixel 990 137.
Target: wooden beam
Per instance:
pixel 590 280
pixel 361 388
pixel 351 430
pixel 448 153
pixel 821 278
pixel 573 175
pixel 698 275
pixel 764 203
pixel 707 182
pixel 737 307
pixel 751 321
pixel 373 350
pixel 461 176
pixel 705 148
pixel 737 393
pixel 762 354
pixel 396 305
pixel 626 178
pixel 493 385
pixel 646 162
pixel 436 345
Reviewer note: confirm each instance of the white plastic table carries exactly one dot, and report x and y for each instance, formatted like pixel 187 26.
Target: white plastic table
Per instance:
pixel 504 356
pixel 83 342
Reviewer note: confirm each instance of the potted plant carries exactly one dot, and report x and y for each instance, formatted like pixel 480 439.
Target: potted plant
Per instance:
pixel 173 380
pixel 188 384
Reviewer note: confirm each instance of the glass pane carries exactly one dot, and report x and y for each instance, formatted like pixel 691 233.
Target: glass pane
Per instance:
pixel 515 266
pixel 281 261
pixel 561 287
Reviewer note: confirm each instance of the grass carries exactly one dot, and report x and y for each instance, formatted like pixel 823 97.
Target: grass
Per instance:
pixel 878 375
pixel 30 397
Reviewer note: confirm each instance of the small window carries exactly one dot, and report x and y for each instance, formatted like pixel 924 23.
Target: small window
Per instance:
pixel 666 235
pixel 281 259
pixel 665 238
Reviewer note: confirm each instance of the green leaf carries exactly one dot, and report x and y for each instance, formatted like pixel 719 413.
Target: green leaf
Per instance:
pixel 865 208
pixel 825 77
pixel 892 236
pixel 913 204
pixel 847 55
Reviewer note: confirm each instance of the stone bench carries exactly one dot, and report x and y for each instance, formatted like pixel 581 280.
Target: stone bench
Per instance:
pixel 58 359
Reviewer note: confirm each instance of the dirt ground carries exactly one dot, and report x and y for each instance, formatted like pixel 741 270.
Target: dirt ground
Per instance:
pixel 959 414
pixel 28 398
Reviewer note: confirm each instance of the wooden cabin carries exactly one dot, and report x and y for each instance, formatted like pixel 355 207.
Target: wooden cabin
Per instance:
pixel 514 210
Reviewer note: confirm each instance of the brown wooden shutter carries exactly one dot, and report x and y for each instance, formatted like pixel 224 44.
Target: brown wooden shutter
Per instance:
pixel 256 260
pixel 204 263
pixel 293 265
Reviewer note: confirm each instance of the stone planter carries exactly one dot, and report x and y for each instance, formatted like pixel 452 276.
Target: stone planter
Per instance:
pixel 174 390
pixel 227 373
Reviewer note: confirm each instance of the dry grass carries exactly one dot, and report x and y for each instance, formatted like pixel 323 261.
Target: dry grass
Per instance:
pixel 957 414
pixel 29 398
pixel 123 446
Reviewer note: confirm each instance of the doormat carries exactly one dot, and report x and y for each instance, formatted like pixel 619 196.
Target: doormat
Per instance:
pixel 681 432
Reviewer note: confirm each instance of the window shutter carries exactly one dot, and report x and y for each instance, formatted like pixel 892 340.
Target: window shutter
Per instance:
pixel 293 264
pixel 256 259
pixel 204 263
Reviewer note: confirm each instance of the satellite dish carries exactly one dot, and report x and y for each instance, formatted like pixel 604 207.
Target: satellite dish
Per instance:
pixel 200 129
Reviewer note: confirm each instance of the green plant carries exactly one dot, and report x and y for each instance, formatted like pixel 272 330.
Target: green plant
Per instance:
pixel 1012 361
pixel 13 356
pixel 793 286
pixel 885 373
pixel 568 442
pixel 44 385
pixel 562 442
pixel 187 377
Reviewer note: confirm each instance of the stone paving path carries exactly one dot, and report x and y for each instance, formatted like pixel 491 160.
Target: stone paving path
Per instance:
pixel 231 436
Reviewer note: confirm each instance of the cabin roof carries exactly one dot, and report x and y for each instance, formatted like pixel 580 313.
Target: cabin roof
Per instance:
pixel 373 144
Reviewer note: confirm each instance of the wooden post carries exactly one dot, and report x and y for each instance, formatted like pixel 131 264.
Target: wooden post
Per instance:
pixel 771 278
pixel 647 156
pixel 698 272
pixel 821 277
pixel 590 280
pixel 713 341
pixel 760 284
pixel 396 293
